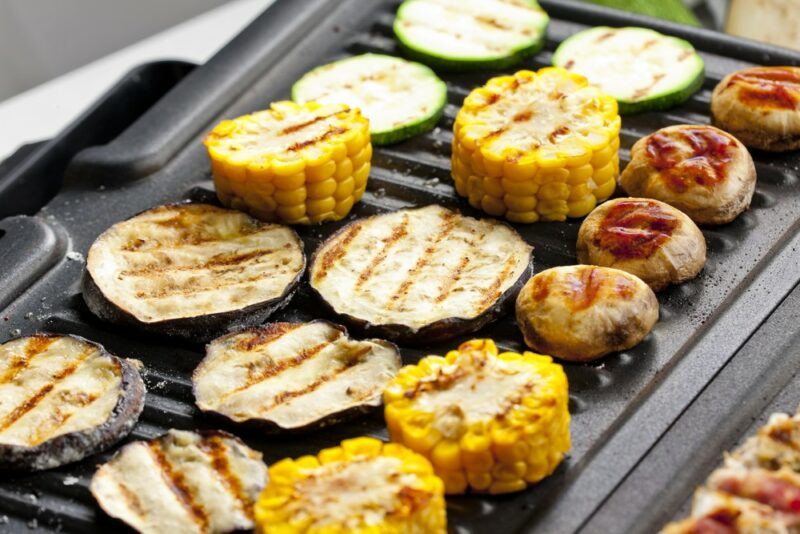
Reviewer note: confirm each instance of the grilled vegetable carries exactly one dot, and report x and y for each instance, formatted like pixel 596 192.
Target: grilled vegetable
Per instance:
pixel 777 444
pixel 582 312
pixel 192 270
pixel 401 99
pixel 702 171
pixel 715 512
pixel 643 69
pixel 420 275
pixel 293 375
pixel 760 106
pixel 363 485
pixel 294 163
pixel 63 398
pixel 780 490
pixel 487 421
pixel 534 146
pixel 471 34
pixel 644 237
pixel 182 481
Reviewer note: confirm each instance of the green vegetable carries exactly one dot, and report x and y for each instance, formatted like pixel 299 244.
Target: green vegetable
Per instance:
pixel 643 69
pixel 470 34
pixel 673 10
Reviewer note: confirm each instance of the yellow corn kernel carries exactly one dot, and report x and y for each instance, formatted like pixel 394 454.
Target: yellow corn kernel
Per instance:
pixel 499 452
pixel 494 164
pixel 301 181
pixel 292 500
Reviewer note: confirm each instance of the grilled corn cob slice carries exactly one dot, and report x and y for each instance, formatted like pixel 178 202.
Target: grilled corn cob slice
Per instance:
pixel 487 421
pixel 295 163
pixel 536 146
pixel 363 485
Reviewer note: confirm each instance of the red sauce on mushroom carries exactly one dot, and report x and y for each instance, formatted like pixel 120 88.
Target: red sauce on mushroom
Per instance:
pixel 719 522
pixel 691 155
pixel 635 229
pixel 770 87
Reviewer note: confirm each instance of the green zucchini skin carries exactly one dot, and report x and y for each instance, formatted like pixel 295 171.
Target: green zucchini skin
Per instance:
pixel 663 100
pixel 436 60
pixel 398 133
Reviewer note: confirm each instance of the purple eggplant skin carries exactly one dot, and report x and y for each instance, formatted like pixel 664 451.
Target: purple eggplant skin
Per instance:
pixel 75 446
pixel 265 426
pixel 198 329
pixel 436 332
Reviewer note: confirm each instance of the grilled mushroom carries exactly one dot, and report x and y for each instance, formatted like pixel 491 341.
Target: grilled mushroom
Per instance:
pixel 63 398
pixel 420 275
pixel 760 106
pixel 182 481
pixel 293 375
pixel 583 312
pixel 645 237
pixel 704 172
pixel 192 270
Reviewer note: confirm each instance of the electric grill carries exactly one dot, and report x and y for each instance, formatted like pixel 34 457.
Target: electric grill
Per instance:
pixel 621 405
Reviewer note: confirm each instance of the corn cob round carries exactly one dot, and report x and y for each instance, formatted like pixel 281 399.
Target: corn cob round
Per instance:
pixel 488 422
pixel 364 485
pixel 294 163
pixel 536 146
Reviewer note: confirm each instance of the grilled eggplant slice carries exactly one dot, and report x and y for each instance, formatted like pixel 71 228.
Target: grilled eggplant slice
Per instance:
pixel 192 270
pixel 293 375
pixel 182 481
pixel 421 275
pixel 63 398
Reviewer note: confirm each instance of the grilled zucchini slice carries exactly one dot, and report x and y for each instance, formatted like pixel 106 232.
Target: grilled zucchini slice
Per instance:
pixel 760 106
pixel 643 69
pixel 488 422
pixel 63 398
pixel 194 482
pixel 363 485
pixel 536 146
pixel 420 275
pixel 294 163
pixel 192 270
pixel 293 375
pixel 470 34
pixel 400 98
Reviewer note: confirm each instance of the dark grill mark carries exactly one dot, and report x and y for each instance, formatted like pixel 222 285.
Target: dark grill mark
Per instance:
pixel 494 133
pixel 31 402
pixel 131 499
pixel 60 416
pixel 453 279
pixel 36 345
pixel 336 252
pixel 266 369
pixel 285 396
pixel 558 132
pixel 218 260
pixel 265 336
pixel 336 130
pixel 191 287
pixel 448 223
pixel 523 116
pixel 176 482
pixel 217 451
pixel 604 36
pixel 493 291
pixel 399 232
pixel 299 126
pixel 188 237
pixel 493 22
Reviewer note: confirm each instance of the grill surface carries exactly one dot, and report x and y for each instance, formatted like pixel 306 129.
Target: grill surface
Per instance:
pixel 620 405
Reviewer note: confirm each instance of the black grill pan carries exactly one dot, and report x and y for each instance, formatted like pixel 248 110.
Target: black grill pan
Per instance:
pixel 621 405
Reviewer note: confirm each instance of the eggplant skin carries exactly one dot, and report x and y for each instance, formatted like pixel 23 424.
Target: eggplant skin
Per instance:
pixel 200 328
pixel 268 426
pixel 75 446
pixel 437 331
